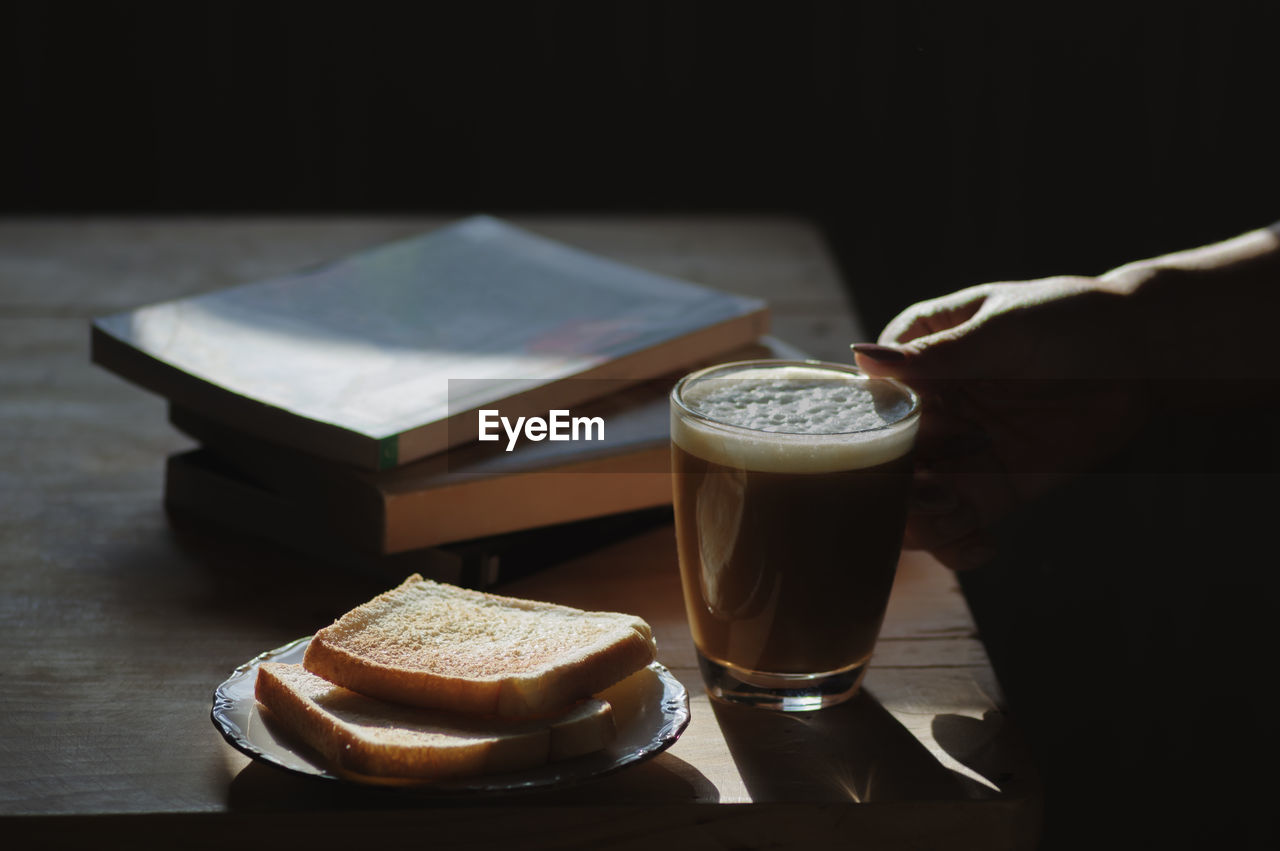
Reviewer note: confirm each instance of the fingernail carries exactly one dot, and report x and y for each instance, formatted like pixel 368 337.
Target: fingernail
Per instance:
pixel 875 351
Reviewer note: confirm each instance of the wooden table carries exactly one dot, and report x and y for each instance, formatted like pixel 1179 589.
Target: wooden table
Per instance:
pixel 115 626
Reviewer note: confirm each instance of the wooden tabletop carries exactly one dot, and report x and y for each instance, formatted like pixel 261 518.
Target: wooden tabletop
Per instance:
pixel 115 625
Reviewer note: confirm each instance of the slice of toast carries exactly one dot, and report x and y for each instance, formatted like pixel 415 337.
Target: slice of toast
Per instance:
pixel 373 739
pixel 438 646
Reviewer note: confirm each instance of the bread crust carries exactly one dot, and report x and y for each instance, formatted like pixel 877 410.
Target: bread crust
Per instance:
pixel 438 646
pixel 370 739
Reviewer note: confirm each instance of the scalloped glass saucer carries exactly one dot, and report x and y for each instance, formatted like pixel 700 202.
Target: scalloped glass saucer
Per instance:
pixel 651 710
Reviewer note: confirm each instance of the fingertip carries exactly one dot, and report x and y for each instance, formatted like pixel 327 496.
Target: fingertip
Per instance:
pixel 878 352
pixel 878 360
pixel 871 367
pixel 902 360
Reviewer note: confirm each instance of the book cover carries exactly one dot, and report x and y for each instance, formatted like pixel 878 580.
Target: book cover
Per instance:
pixel 353 360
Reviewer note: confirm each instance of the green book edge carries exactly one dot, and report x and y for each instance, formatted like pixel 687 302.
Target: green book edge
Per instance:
pixel 388 452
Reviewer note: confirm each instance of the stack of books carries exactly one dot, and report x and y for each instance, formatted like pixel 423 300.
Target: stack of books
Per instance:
pixel 384 410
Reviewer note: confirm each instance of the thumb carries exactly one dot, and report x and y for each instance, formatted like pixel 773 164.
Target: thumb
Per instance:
pixel 927 339
pixel 879 360
pixel 938 355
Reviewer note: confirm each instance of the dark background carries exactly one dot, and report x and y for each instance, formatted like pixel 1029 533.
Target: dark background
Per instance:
pixel 937 145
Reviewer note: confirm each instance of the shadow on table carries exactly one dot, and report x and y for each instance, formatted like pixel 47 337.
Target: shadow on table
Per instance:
pixel 664 779
pixel 987 745
pixel 855 751
pixel 247 583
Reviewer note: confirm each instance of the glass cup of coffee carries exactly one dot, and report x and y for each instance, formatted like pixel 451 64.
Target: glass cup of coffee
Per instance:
pixel 791 481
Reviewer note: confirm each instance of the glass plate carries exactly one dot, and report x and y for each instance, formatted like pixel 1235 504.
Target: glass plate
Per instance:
pixel 651 710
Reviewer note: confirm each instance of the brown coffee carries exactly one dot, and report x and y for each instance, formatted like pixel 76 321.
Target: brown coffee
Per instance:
pixel 788 572
pixel 791 485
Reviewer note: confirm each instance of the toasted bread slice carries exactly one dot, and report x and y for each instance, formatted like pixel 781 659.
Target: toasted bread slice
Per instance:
pixel 371 738
pixel 438 646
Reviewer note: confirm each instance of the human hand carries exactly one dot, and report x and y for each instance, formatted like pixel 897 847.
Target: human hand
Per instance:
pixel 1022 384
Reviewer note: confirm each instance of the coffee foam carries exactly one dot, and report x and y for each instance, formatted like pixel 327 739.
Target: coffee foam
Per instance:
pixel 795 419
